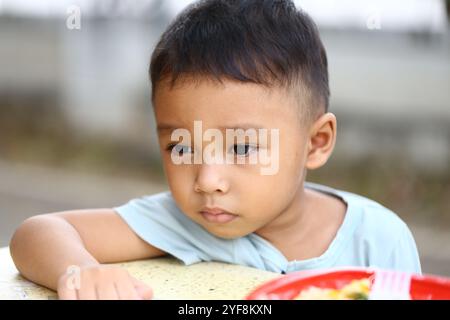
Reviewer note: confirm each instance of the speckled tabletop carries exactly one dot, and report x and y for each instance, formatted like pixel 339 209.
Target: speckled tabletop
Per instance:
pixel 168 277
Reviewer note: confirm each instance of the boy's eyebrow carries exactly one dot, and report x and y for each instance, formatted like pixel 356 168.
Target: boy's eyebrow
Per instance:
pixel 244 126
pixel 165 127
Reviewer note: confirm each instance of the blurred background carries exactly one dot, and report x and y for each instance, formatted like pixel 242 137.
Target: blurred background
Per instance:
pixel 77 129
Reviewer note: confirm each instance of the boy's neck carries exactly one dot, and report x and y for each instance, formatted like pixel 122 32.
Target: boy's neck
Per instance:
pixel 306 228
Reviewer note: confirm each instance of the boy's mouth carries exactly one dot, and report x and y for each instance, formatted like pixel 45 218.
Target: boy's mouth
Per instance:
pixel 217 215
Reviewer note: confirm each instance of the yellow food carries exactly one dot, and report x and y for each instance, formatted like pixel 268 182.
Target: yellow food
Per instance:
pixel 355 290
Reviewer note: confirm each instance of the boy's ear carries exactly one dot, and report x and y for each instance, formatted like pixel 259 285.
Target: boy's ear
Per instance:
pixel 321 141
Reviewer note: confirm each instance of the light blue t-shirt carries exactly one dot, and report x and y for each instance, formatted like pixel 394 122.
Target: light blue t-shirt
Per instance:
pixel 370 236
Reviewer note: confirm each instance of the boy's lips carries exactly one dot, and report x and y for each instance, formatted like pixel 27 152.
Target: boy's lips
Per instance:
pixel 217 215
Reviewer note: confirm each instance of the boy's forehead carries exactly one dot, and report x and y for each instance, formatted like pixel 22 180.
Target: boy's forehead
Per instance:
pixel 228 97
pixel 209 89
pixel 168 127
pixel 226 105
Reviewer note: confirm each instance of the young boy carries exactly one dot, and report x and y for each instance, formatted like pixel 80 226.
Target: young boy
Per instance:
pixel 226 66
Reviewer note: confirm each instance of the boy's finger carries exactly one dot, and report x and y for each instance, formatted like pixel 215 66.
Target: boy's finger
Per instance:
pixel 126 291
pixel 67 294
pixel 67 289
pixel 144 291
pixel 107 292
pixel 87 292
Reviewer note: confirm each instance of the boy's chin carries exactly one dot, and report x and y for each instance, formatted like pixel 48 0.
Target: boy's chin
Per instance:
pixel 228 233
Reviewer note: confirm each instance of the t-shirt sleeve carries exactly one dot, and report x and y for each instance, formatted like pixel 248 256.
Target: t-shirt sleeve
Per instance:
pixel 158 221
pixel 404 255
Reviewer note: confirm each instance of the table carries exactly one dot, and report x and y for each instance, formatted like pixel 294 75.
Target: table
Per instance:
pixel 169 278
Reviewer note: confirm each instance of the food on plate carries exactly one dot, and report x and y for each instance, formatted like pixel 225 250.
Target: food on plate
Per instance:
pixel 355 290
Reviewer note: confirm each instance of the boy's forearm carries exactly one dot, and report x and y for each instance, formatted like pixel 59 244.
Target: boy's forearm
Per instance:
pixel 43 247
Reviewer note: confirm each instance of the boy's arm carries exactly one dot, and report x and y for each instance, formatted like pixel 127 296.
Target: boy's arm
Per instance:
pixel 44 246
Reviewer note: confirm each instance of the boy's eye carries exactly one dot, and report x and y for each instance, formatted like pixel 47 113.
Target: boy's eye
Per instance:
pixel 243 149
pixel 237 149
pixel 179 149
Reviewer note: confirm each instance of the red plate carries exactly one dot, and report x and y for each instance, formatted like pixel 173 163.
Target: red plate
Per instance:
pixel 289 286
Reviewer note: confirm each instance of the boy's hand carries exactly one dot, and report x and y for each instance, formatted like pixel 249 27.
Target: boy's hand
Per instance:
pixel 101 282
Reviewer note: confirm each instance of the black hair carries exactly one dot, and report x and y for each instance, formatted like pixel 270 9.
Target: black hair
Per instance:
pixel 266 42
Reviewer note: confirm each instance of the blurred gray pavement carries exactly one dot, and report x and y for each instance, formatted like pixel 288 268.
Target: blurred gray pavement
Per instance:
pixel 27 190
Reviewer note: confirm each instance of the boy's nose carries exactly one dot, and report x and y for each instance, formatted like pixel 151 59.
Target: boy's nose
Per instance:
pixel 210 179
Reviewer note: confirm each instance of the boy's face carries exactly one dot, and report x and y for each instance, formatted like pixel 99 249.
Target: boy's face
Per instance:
pixel 254 199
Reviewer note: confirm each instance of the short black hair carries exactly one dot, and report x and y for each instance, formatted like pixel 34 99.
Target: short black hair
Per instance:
pixel 268 42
